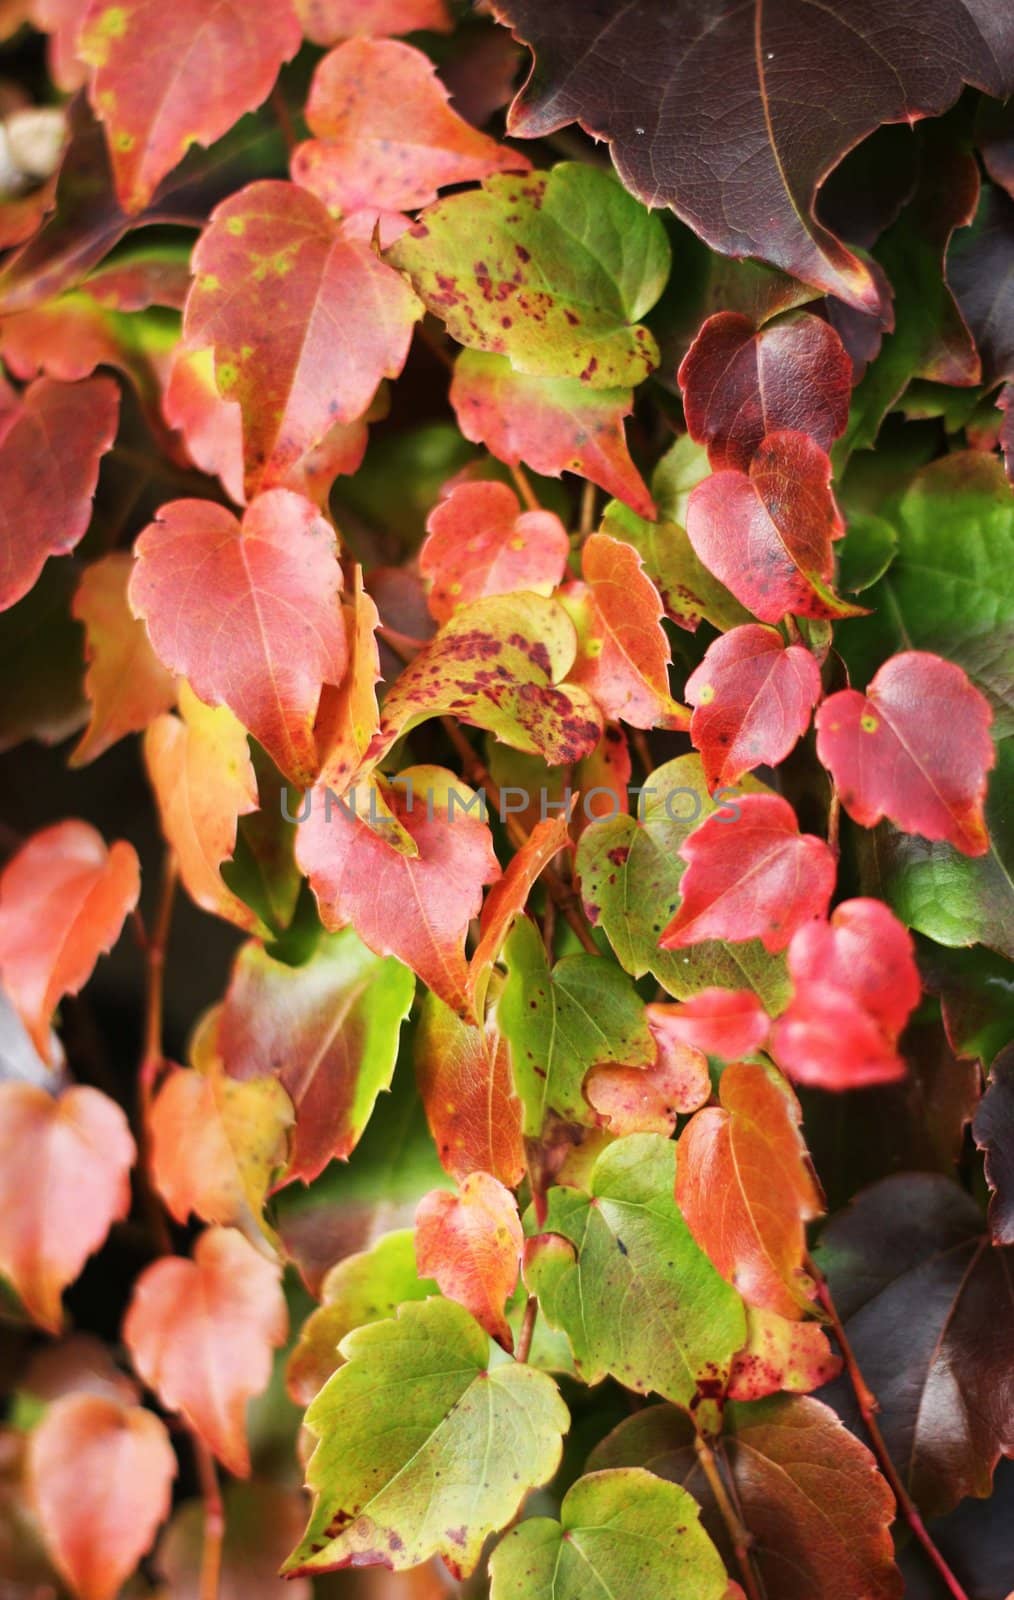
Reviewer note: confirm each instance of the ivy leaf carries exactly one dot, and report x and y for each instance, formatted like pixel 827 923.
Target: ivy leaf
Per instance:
pixel 708 120
pixel 299 380
pixel 767 534
pixel 752 877
pixel 327 1030
pixel 553 425
pixel 752 697
pixel 499 266
pixel 978 266
pixel 688 590
pixel 616 1268
pixel 364 1287
pixel 215 1144
pixel 740 384
pixel 728 1023
pixel 497 664
pixel 325 21
pixel 855 985
pixel 467 1087
pixel 507 899
pixel 348 717
pixel 781 1354
pixel 200 1333
pixel 46 513
pixel 126 684
pixel 385 136
pixel 64 1180
pixel 630 871
pixel 993 1129
pixel 435 1470
pixel 814 1504
pixel 416 907
pixel 479 542
pixel 624 661
pixel 950 585
pixel 620 1532
pixel 649 1099
pixel 471 1244
pixel 924 1296
pixel 152 115
pixel 267 653
pixel 200 769
pixel 915 748
pixel 64 898
pixel 749 1151
pixel 561 1023
pixel 100 1473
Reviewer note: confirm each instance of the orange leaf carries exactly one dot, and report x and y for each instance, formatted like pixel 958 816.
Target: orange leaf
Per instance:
pixel 471 1244
pixel 126 683
pixel 200 769
pixel 44 511
pixel 248 613
pixel 480 542
pixel 649 1099
pixel 63 901
pixel 200 1333
pixel 164 78
pixel 744 1185
pixel 64 1168
pixel 325 21
pixel 416 907
pixel 386 136
pixel 467 1089
pixel 347 325
pixel 349 716
pixel 507 899
pixel 100 1474
pixel 781 1354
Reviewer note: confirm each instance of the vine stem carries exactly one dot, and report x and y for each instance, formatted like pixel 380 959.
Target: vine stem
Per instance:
pixel 738 1534
pixel 524 488
pixel 283 118
pixel 588 504
pixel 154 942
pixel 640 745
pixel 524 1348
pixel 478 773
pixel 833 821
pixel 868 1408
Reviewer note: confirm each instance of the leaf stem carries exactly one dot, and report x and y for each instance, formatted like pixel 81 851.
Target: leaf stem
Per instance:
pixel 524 1348
pixel 738 1534
pixel 214 1519
pixel 524 488
pixel 868 1408
pixel 588 502
pixel 640 744
pixel 283 118
pixel 834 821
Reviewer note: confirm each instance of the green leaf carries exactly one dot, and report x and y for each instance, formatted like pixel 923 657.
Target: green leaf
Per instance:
pixel 952 898
pixel 625 1280
pixel 866 551
pixel 562 1023
pixel 684 465
pixel 687 588
pixel 621 1533
pixel 553 270
pixel 950 588
pixel 424 1449
pixel 630 873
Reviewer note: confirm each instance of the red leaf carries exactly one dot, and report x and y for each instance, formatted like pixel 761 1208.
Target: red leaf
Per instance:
pixel 554 425
pixel 298 378
pixel 467 1088
pixel 325 21
pixel 915 748
pixel 64 1181
pixel 745 1189
pixel 649 1099
pixel 625 658
pixel 855 986
pixel 100 1474
pixel 127 685
pixel 479 542
pixel 164 79
pixel 63 901
pixel 248 613
pixel 781 1354
pixel 507 899
pixel 44 511
pixel 767 536
pixel 752 876
pixel 349 716
pixel 416 907
pixel 740 384
pixel 752 695
pixel 386 136
pixel 471 1244
pixel 722 1022
pixel 200 1333
pixel 212 427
